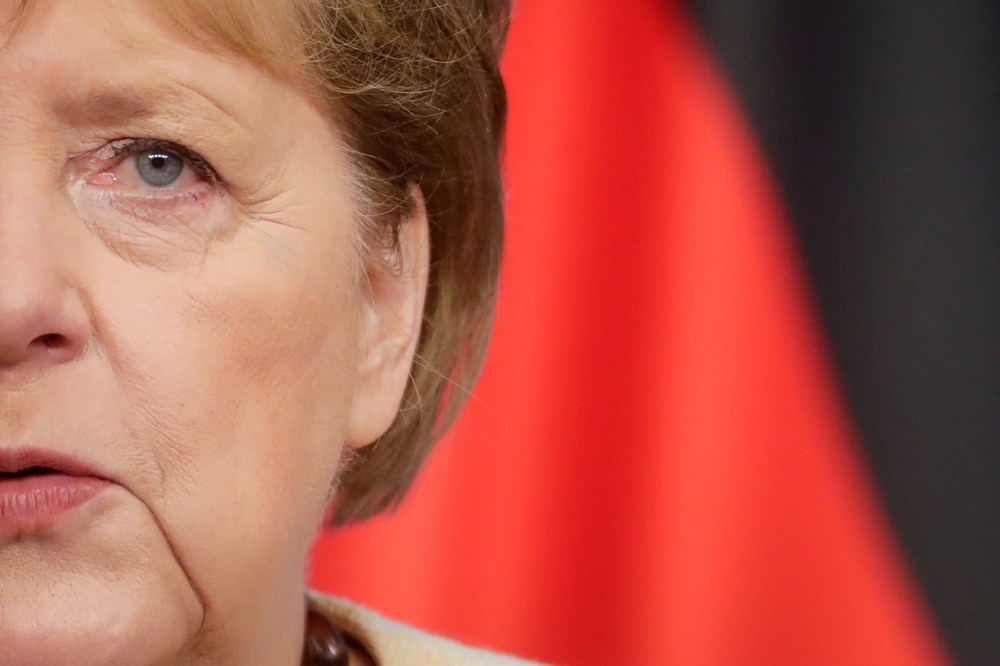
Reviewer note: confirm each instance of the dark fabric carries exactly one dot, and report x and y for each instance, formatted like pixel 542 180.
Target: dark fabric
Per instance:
pixel 882 122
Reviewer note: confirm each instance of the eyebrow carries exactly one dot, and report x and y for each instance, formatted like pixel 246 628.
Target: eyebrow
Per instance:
pixel 104 108
pixel 117 107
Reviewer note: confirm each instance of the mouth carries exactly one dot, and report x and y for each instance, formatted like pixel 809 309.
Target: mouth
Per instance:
pixel 38 489
pixel 28 472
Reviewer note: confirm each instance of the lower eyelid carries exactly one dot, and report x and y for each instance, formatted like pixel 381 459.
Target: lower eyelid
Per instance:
pixel 135 198
pixel 155 196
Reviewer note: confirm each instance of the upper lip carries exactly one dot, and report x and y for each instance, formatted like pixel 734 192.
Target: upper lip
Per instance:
pixel 17 460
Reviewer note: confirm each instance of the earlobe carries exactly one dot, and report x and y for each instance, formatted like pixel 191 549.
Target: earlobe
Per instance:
pixel 394 307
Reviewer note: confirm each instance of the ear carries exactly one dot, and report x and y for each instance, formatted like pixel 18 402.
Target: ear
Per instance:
pixel 393 311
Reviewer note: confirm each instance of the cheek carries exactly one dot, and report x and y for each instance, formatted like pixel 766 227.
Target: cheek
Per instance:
pixel 237 379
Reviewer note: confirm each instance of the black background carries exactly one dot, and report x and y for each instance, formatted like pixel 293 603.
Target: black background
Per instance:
pixel 881 121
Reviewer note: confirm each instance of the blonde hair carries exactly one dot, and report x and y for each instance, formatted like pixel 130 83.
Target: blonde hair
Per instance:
pixel 415 87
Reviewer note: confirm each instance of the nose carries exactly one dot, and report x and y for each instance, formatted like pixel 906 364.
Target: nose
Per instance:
pixel 43 320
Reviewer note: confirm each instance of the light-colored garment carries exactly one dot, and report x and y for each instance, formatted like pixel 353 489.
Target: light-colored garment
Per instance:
pixel 394 644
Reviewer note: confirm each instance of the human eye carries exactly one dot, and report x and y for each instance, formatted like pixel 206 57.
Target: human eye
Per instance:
pixel 139 164
pixel 151 199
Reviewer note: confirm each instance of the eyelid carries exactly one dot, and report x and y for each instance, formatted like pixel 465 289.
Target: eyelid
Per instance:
pixel 124 148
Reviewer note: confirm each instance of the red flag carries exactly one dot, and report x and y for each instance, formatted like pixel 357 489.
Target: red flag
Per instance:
pixel 657 466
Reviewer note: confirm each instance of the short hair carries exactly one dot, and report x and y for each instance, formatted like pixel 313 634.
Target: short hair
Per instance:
pixel 415 88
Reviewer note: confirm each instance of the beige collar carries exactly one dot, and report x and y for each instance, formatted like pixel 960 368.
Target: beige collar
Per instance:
pixel 394 644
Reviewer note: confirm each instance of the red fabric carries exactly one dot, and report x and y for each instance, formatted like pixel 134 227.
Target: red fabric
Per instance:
pixel 656 467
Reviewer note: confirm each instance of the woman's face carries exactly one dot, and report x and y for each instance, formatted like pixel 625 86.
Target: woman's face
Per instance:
pixel 183 328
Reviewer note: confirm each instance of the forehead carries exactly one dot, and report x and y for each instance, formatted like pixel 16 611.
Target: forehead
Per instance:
pixel 98 63
pixel 268 32
pixel 114 61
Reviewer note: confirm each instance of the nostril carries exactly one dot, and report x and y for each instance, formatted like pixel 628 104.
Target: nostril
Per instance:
pixel 47 348
pixel 52 341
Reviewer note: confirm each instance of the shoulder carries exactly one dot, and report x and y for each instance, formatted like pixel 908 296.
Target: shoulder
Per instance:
pixel 394 644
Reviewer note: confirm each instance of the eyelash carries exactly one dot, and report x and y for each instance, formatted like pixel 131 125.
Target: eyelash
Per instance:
pixel 125 148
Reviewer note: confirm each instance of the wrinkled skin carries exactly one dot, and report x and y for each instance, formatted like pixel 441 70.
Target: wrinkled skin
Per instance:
pixel 208 345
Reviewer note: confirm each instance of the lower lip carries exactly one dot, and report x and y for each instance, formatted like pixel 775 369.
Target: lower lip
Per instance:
pixel 36 502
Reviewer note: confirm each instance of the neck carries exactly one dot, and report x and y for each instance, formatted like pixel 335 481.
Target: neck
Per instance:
pixel 273 636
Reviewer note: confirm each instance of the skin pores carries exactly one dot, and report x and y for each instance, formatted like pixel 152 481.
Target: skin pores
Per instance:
pixel 202 341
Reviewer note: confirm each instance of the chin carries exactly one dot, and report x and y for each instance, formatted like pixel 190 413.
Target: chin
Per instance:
pixel 96 632
pixel 102 589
